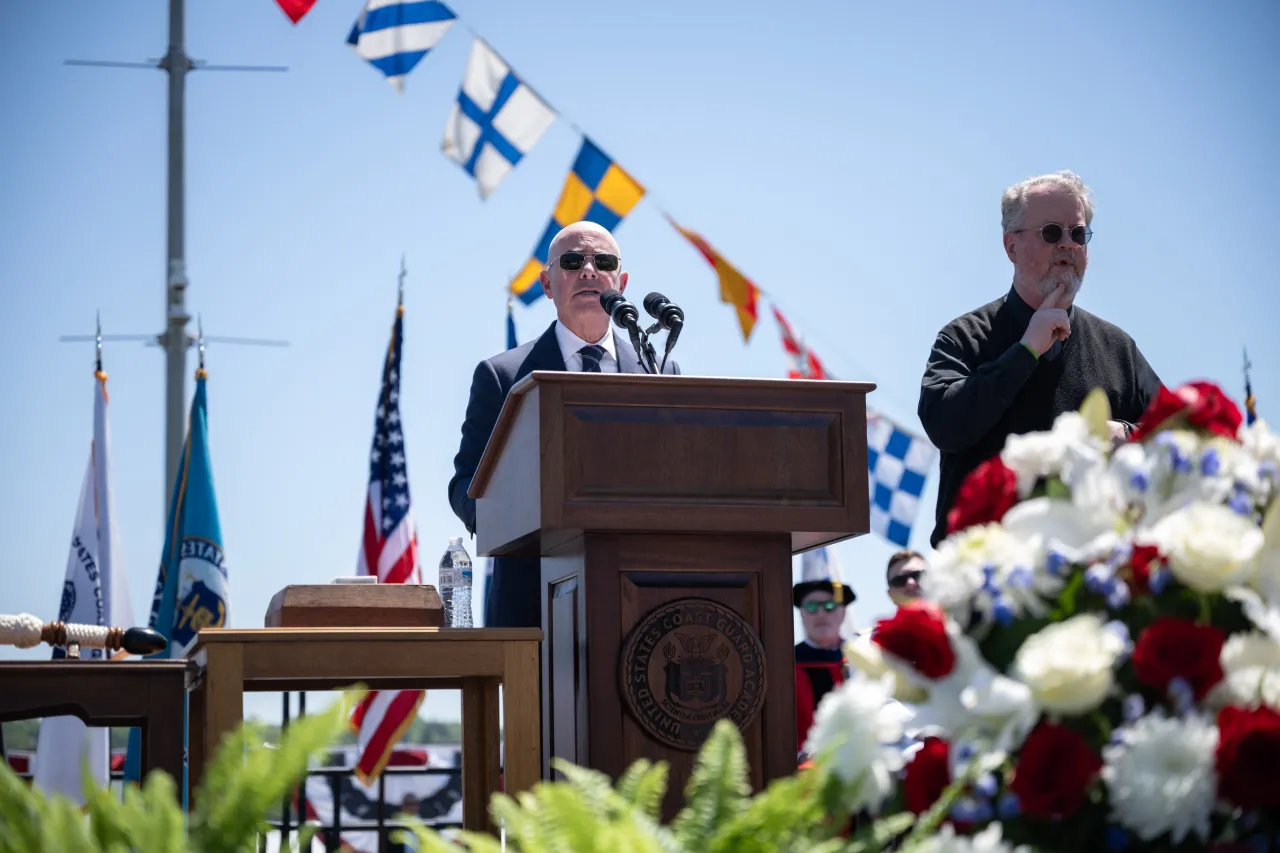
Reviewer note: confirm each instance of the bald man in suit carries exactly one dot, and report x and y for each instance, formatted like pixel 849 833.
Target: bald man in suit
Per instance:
pixel 583 262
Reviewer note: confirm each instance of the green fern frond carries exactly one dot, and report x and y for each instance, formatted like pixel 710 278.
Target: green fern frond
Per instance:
pixel 643 786
pixel 717 788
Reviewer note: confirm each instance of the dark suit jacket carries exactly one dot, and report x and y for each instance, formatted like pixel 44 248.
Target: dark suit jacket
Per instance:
pixel 512 596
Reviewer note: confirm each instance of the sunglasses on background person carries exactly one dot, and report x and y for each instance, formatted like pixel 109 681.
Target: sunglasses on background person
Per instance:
pixel 815 606
pixel 1052 233
pixel 604 261
pixel 899 581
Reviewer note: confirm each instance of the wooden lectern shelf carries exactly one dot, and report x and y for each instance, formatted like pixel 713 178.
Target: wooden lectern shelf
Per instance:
pixel 666 510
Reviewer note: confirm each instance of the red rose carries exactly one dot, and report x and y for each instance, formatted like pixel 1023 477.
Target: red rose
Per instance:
pixel 1201 404
pixel 984 496
pixel 1144 560
pixel 1175 648
pixel 928 775
pixel 917 634
pixel 1053 772
pixel 1248 755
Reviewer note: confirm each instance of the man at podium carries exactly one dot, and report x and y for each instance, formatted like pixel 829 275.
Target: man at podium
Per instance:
pixel 583 261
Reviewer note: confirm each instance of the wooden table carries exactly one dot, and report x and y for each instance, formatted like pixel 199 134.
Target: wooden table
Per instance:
pixel 475 660
pixel 149 695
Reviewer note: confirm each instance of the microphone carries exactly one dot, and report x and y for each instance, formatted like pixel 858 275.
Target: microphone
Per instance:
pixel 624 315
pixel 669 317
pixel 666 312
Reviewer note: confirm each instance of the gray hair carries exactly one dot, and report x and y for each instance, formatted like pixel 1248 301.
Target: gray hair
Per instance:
pixel 1014 201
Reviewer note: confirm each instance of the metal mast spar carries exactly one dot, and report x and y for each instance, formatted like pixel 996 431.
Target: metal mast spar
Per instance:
pixel 174 339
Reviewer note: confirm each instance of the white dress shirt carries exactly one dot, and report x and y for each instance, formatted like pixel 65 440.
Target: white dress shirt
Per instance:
pixel 571 343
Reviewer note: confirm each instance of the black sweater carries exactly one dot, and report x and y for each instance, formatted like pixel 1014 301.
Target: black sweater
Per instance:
pixel 982 385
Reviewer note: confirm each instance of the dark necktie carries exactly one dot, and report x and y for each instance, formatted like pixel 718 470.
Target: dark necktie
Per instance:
pixel 591 356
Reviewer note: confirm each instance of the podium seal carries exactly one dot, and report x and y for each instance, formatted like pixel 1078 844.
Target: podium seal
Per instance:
pixel 688 664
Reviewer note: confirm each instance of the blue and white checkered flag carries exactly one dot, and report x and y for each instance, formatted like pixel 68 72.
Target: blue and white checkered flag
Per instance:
pixel 898 464
pixel 393 35
pixel 496 120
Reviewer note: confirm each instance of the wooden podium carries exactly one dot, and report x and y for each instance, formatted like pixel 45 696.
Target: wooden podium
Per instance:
pixel 666 510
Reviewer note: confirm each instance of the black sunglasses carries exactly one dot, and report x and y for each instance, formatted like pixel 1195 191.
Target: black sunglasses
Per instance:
pixel 1052 233
pixel 604 261
pixel 898 581
pixel 814 606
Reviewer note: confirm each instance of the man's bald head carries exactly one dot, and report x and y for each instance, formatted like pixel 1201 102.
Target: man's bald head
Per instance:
pixel 571 233
pixel 576 292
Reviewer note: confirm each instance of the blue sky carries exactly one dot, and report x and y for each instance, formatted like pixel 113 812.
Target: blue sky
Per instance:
pixel 847 156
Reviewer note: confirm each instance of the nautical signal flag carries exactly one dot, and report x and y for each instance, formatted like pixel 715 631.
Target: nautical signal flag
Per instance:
pixel 496 121
pixel 735 288
pixel 295 9
pixel 394 35
pixel 597 190
pixel 803 363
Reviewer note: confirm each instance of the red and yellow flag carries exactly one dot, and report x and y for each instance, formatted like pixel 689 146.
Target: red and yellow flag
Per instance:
pixel 735 288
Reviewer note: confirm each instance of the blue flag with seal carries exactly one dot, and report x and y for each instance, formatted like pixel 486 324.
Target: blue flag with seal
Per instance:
pixel 192 592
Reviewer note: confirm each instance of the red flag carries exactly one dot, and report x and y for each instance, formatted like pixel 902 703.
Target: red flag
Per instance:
pixel 804 364
pixel 295 9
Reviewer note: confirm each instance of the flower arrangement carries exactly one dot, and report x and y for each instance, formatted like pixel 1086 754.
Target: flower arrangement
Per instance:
pixel 1097 666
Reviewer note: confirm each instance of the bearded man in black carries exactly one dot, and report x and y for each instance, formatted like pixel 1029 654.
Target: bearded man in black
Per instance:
pixel 1015 364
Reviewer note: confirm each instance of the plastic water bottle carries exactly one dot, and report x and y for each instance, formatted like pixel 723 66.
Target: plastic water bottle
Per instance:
pixel 461 562
pixel 445 585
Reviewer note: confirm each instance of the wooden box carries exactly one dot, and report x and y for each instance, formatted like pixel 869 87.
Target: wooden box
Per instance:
pixel 356 606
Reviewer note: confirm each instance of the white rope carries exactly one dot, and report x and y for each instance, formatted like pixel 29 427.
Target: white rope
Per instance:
pixel 22 630
pixel 87 636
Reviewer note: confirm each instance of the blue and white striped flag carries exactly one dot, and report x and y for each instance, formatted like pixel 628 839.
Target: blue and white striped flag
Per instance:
pixel 496 121
pixel 393 35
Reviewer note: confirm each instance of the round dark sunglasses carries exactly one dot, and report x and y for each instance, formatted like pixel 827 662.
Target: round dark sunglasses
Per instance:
pixel 815 606
pixel 604 261
pixel 1052 233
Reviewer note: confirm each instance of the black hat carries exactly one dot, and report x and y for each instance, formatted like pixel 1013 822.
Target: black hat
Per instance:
pixel 820 573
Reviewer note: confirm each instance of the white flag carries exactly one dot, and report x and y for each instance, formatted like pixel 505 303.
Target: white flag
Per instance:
pixel 496 120
pixel 95 592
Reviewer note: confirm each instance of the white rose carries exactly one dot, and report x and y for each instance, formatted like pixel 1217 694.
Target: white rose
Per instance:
pixel 957 573
pixel 1209 546
pixel 1069 665
pixel 1260 442
pixel 1251 672
pixel 858 729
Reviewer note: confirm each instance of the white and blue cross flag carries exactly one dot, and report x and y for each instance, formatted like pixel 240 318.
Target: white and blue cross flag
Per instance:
pixel 394 35
pixel 496 120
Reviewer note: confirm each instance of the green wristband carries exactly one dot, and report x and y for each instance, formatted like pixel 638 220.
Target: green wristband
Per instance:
pixel 1034 354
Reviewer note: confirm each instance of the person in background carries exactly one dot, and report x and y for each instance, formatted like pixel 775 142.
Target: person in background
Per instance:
pixel 820 660
pixel 903 575
pixel 1015 364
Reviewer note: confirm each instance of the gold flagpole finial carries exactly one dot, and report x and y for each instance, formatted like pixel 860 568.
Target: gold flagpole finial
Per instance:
pixel 200 371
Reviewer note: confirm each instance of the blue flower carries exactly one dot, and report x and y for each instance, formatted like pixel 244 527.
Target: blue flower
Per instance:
pixel 1133 707
pixel 1139 481
pixel 1210 464
pixel 1117 837
pixel 1097 579
pixel 1118 594
pixel 1240 502
pixel 967 810
pixel 986 785
pixel 1008 806
pixel 1159 579
pixel 1020 578
pixel 1055 563
pixel 1181 695
pixel 1003 613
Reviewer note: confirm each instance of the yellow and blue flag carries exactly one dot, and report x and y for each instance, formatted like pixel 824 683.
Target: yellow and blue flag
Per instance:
pixel 192 589
pixel 597 190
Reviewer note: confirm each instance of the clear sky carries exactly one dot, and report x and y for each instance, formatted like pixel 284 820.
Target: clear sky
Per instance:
pixel 847 156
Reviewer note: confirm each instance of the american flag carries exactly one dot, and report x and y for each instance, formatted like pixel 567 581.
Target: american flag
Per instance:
pixel 389 550
pixel 804 364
